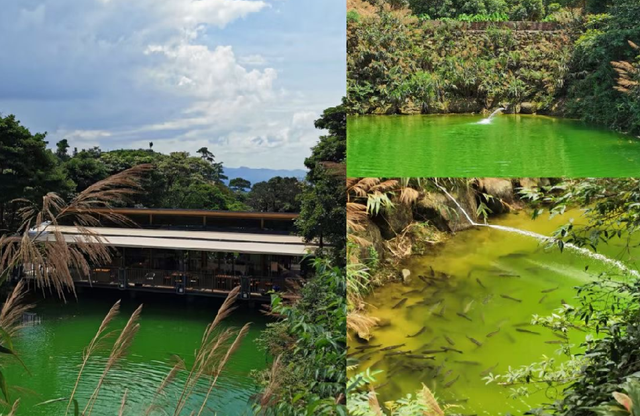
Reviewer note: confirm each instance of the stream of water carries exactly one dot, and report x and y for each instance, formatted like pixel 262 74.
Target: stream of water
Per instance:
pixel 486 283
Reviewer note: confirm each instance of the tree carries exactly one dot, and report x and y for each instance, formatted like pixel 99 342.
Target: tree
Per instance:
pixel 239 184
pixel 217 171
pixel 323 199
pixel 86 168
pixel 27 169
pixel 275 195
pixel 61 149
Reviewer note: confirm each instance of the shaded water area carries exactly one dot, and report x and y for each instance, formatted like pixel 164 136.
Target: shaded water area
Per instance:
pixel 484 288
pixel 510 145
pixel 52 351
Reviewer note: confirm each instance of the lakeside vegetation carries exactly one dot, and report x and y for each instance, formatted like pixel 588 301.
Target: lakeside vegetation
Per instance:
pixel 401 61
pixel 599 376
pixel 39 187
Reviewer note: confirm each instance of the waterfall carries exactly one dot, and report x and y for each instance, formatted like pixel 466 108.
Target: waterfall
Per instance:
pixel 580 250
pixel 488 119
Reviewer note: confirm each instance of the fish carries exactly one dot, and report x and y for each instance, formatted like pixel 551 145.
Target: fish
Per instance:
pixel 424 328
pixel 510 298
pixel 542 299
pixel 438 370
pixel 402 302
pixel 522 324
pixel 433 351
pixel 441 313
pixel 449 384
pixel 433 272
pixel 488 370
pixel 475 341
pixel 410 292
pixel 554 342
pixel 423 278
pixel 462 315
pixel 480 283
pixel 562 336
pixel 430 342
pixel 487 299
pixel 449 340
pixel 508 275
pixel 515 255
pixel 391 347
pixel 468 306
pixel 365 357
pixel 447 374
pixel 367 347
pixel 420 357
pixel 564 302
pixel 393 354
pixel 490 334
pixel 447 349
pixel 482 317
pixel 550 290
pixel 468 362
pixel 526 331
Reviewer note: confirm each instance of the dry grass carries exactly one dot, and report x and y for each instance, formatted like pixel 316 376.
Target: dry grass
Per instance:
pixel 42 249
pixel 118 352
pixel 212 355
pixel 361 324
pixel 628 74
pixel 93 346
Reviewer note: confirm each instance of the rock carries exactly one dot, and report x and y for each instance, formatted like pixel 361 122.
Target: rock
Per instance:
pixel 372 234
pixel 406 276
pixel 430 209
pixel 528 108
pixel 410 108
pixel 395 222
pixel 501 190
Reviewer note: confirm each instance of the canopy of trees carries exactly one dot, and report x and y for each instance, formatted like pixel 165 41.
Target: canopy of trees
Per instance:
pixel 29 170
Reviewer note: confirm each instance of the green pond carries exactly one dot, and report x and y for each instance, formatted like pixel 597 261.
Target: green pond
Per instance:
pixel 474 268
pixel 509 146
pixel 52 351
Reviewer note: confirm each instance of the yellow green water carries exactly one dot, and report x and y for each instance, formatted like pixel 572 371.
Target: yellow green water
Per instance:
pixel 505 264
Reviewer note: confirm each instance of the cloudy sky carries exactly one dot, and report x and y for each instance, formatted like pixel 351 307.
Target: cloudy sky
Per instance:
pixel 245 78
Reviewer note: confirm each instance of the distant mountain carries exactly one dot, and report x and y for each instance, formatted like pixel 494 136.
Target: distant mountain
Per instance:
pixel 260 175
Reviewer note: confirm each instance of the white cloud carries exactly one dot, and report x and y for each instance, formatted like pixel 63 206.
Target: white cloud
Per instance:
pixel 252 60
pixel 200 72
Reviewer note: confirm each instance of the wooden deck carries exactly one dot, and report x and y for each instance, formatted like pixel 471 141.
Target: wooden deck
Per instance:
pixel 179 282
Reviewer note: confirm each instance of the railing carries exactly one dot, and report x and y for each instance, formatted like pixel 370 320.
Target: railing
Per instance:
pixel 180 281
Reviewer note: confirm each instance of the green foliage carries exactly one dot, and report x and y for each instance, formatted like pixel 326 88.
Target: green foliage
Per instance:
pixel 27 169
pixel 605 39
pixel 239 184
pixel 399 65
pixel 323 198
pixel 275 195
pixel 311 341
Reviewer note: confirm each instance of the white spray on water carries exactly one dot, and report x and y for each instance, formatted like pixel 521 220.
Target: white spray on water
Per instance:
pixel 581 250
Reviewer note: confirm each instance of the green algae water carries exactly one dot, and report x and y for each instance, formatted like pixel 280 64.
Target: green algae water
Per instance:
pixel 488 284
pixel 52 351
pixel 509 146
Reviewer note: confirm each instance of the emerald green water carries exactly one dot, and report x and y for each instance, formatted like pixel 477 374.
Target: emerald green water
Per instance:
pixel 510 146
pixel 505 264
pixel 170 325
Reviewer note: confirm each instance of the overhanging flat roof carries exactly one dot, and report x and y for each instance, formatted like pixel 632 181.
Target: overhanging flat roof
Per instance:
pixel 185 240
pixel 201 213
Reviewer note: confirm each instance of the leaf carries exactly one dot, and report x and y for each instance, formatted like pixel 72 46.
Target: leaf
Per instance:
pixel 3 387
pixel 5 350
